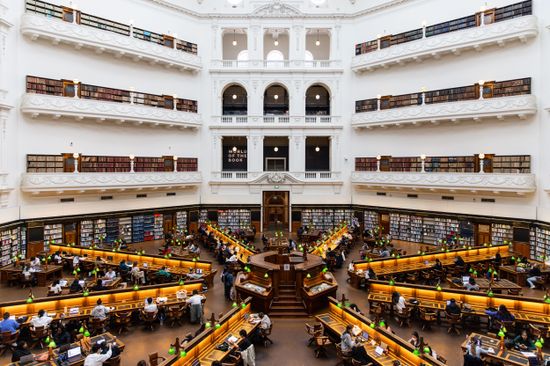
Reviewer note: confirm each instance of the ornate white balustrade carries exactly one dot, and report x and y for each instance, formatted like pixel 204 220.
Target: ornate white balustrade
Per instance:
pixel 276 66
pixel 519 106
pixel 276 121
pixel 290 178
pixel 449 182
pixel 100 111
pixel 36 183
pixel 57 31
pixel 500 33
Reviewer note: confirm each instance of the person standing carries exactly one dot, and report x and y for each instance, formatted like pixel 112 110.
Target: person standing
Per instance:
pixel 228 281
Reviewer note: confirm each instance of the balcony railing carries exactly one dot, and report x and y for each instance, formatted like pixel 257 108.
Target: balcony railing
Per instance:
pixel 276 177
pixel 488 99
pixel 70 98
pixel 494 26
pixel 305 65
pixel 304 121
pixel 68 25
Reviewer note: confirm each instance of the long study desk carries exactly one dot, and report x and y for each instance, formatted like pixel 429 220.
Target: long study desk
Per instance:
pixel 511 273
pixel 43 275
pixel 329 243
pixel 77 306
pixel 338 317
pixel 202 349
pixel 418 262
pixel 485 284
pixel 525 309
pixel 233 243
pixel 506 356
pixel 145 262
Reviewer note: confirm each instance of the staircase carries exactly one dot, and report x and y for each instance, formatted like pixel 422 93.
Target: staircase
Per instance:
pixel 287 305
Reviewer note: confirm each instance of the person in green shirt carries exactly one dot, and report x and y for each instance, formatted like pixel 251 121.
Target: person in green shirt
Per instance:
pixel 522 342
pixel 164 272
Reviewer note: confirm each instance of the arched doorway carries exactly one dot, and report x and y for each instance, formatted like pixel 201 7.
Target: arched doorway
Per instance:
pixel 275 100
pixel 235 101
pixel 275 210
pixel 317 101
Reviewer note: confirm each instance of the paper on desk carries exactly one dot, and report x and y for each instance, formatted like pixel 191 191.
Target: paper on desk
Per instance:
pixel 528 354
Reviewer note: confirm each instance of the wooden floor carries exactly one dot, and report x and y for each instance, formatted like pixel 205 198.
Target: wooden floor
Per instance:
pixel 290 347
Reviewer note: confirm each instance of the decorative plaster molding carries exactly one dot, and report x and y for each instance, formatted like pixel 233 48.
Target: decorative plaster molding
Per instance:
pixel 270 67
pixel 520 105
pixel 472 182
pixel 270 178
pixel 59 31
pixel 476 38
pixel 81 182
pixel 57 106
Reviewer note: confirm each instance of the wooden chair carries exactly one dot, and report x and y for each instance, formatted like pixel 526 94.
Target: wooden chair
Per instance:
pixel 354 362
pixel 343 359
pixel 13 278
pixel 121 320
pixel 265 333
pixel 7 341
pixel 115 361
pixel 97 326
pixel 314 330
pixel 174 314
pixel 404 317
pixel 515 292
pixel 427 318
pixel 155 359
pixel 24 281
pixel 321 342
pixel 377 309
pixel 454 321
pixel 149 319
pixel 38 334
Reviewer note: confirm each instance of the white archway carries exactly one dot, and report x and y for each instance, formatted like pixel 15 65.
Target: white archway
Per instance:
pixel 275 58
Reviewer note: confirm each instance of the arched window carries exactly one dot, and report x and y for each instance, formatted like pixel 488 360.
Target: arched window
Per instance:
pixel 317 101
pixel 235 101
pixel 275 58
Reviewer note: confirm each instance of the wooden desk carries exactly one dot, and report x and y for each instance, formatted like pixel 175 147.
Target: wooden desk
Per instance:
pixel 203 346
pixel 507 356
pixel 126 300
pixel 108 337
pixel 145 262
pixel 43 276
pixel 234 244
pixel 338 317
pixel 525 309
pixel 511 273
pixel 317 290
pixel 311 236
pixel 258 289
pixel 485 284
pixel 412 263
pixel 330 243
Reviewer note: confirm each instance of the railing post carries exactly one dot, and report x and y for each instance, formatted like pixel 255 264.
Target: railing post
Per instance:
pixel 481 83
pixel 424 29
pixel 76 84
pixel 378 157
pixel 132 157
pixel 378 102
pixel 423 162
pixel 132 95
pixel 378 41
pixel 481 163
pixel 131 27
pixel 175 164
pixel 75 157
pixel 175 103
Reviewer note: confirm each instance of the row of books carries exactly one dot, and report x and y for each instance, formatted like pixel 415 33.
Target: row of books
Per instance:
pixel 13 242
pixel 235 219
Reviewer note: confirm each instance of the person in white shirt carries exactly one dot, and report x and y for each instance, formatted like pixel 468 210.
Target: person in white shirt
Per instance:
pixel 41 320
pixel 233 258
pixel 111 274
pixel 100 311
pixel 35 262
pixel 95 358
pixel 57 258
pixel 351 267
pixel 195 303
pixel 56 288
pixel 76 261
pixel 27 273
pixel 150 306
pixel 265 322
pixel 399 302
pixel 137 273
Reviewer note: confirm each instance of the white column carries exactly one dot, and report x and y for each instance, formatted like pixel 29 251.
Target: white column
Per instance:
pixel 335 43
pixel 334 153
pixel 253 42
pixel 298 158
pixel 296 98
pixel 3 148
pixel 217 42
pixel 256 153
pixel 296 43
pixel 217 153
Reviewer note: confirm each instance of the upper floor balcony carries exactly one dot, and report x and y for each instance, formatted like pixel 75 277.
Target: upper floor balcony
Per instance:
pixel 472 174
pixel 61 24
pixel 78 173
pixel 474 32
pixel 276 66
pixel 475 102
pixel 73 99
pixel 276 121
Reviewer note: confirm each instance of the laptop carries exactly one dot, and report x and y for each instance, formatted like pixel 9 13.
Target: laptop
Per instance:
pixel 365 336
pixel 378 351
pixel 73 354
pixel 465 279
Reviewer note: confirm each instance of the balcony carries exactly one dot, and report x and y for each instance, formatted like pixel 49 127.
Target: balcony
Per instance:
pixel 62 25
pixel 269 66
pixel 75 100
pixel 475 32
pixel 492 100
pixel 60 183
pixel 475 173
pixel 283 121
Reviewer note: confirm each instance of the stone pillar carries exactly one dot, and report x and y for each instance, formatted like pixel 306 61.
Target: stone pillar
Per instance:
pixel 217 42
pixel 335 43
pixel 297 154
pixel 217 150
pixel 255 153
pixel 296 43
pixel 255 42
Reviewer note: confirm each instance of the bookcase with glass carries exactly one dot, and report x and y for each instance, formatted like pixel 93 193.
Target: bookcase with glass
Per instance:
pixel 181 221
pixel 159 226
pixel 235 219
pixel 371 220
pixel 13 242
pixel 501 233
pixel 53 234
pixel 540 243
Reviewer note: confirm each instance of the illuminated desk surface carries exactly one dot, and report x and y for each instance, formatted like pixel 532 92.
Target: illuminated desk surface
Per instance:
pixel 484 284
pixel 329 243
pixel 232 242
pixel 506 356
pixel 43 275
pixel 525 309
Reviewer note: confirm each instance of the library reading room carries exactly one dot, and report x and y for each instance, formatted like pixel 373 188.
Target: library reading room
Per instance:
pixel 394 209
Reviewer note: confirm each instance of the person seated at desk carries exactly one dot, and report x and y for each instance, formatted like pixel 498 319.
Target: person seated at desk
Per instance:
pixel 474 349
pixel 56 288
pixel 21 350
pixel 438 266
pixel 96 358
pixel 502 314
pixel 194 249
pixel 415 340
pixel 195 303
pixel 292 245
pixel 61 336
pixel 370 275
pixel 99 311
pixel 123 267
pixel 459 261
pixel 384 252
pixel 351 348
pixel 35 262
pixel 522 342
pixel 76 261
pixel 56 258
pixel 471 285
pixel 41 320
pixel 398 302
pixel 8 324
pixel 75 286
pixel 110 275
pixel 150 306
pixel 534 276
pixel 164 271
pixel 138 274
pixel 245 348
pixel 452 307
pixel 99 286
pixel 233 258
pixel 497 261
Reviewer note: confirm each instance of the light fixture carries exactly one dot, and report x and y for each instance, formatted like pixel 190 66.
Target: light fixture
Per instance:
pixel 481 82
pixel 424 23
pixel 76 81
pixel 317 42
pixel 318 2
pixel 275 149
pixel 234 3
pixel 482 156
pixel 234 149
pixel 175 158
pixel 378 96
pixel 317 149
pixel 234 39
pixel 317 97
pixel 276 96
pixel 75 155
pixel 234 96
pixel 131 22
pixel 423 156
pixel 378 157
pixel 276 42
pixel 132 157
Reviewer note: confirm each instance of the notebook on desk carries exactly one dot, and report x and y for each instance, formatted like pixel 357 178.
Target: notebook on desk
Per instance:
pixel 378 351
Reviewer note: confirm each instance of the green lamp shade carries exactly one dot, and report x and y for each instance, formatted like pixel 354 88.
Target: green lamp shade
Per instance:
pixel 547 299
pixel 234 305
pixel 181 282
pixel 243 305
pixel 169 255
pixel 308 275
pixel 81 330
pixel 339 304
pixel 172 351
pixel 475 273
pixel 392 282
pixel 136 287
pixel 382 324
pixel 166 256
pixel 538 344
pixel 325 270
pixel 471 270
pixel 416 352
pixel 86 333
pixel 183 353
pixel 75 272
pixel 438 288
pixel 218 326
pixel 501 334
pixel 207 325
pixel 29 300
pixel 52 344
pixel 47 340
pixel 85 293
pixel 266 275
pixel 78 269
pixel 372 325
pixel 490 293
pixel 426 350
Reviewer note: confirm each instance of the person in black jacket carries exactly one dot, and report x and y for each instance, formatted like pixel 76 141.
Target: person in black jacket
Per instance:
pixel 534 275
pixel 21 350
